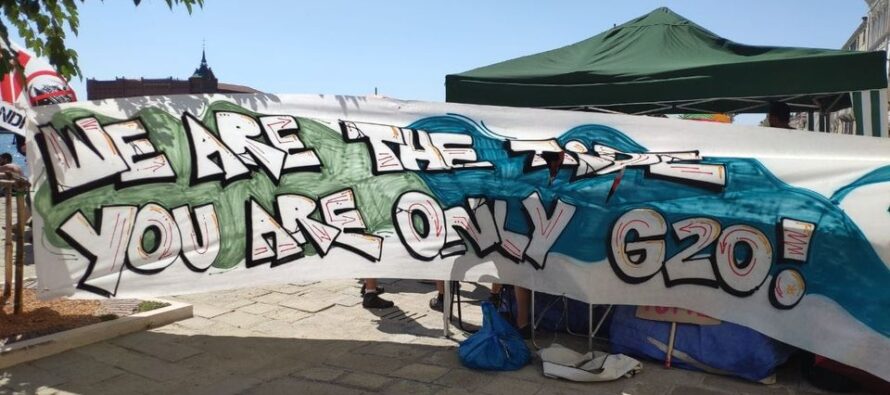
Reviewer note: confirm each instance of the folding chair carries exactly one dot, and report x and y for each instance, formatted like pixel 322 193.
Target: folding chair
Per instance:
pixel 591 330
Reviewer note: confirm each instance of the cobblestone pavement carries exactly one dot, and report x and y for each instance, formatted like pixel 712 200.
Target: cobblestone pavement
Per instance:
pixel 315 338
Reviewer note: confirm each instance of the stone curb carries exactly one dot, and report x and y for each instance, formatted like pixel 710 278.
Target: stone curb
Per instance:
pixel 55 343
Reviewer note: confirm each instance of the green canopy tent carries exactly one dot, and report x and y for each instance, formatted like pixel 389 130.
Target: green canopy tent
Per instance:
pixel 663 63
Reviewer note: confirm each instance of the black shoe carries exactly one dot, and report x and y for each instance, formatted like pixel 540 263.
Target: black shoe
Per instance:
pixel 525 332
pixel 495 299
pixel 438 303
pixel 371 300
pixel 380 290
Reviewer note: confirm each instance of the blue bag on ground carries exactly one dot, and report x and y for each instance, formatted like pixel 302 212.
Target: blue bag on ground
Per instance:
pixel 497 346
pixel 726 348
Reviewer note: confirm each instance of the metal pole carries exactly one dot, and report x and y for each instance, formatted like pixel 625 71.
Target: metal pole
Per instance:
pixel 7 285
pixel 589 326
pixel 670 347
pixel 446 311
pixel 19 253
pixel 531 320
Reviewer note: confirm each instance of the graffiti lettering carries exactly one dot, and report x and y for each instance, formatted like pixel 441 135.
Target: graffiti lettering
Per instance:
pixel 689 266
pixel 149 239
pixel 547 227
pixel 278 239
pixel 282 131
pixel 338 210
pixel 295 211
pixel 241 132
pixel 427 231
pixel 89 155
pixel 742 276
pixel 678 166
pixel 145 240
pixel 267 240
pixel 394 149
pixel 80 158
pixel 426 242
pixel 739 261
pixel 638 260
pixel 167 244
pixel 479 229
pixel 144 162
pixel 796 237
pixel 211 159
pixel 199 229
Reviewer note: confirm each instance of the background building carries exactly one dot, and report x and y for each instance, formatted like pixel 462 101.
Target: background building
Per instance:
pixel 873 34
pixel 202 81
pixel 844 121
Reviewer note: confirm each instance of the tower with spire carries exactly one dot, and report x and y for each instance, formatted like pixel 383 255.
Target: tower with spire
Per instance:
pixel 200 82
pixel 203 80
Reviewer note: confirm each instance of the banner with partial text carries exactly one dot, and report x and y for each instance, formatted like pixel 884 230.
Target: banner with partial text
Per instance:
pixel 786 232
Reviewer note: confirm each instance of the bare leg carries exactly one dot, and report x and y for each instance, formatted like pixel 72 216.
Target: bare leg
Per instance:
pixel 523 297
pixel 437 303
pixel 495 294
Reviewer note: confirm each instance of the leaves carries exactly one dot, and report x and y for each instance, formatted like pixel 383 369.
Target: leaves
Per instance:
pixel 43 25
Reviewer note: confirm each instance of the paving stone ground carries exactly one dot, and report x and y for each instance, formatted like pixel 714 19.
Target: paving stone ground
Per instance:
pixel 276 340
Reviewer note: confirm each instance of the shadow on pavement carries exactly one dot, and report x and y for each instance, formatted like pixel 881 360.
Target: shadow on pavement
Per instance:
pixel 239 362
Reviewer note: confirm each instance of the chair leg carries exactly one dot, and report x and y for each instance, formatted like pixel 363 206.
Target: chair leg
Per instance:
pixel 455 291
pixel 594 331
pixel 446 311
pixel 531 320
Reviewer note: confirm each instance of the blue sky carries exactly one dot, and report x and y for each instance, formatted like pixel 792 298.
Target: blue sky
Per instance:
pixel 404 48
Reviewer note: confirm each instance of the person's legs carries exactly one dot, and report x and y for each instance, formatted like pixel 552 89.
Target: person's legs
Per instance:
pixel 370 300
pixel 437 303
pixel 495 294
pixel 523 300
pixel 380 290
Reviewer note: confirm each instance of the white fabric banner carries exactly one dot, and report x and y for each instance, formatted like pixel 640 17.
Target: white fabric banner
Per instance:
pixel 12 118
pixel 786 232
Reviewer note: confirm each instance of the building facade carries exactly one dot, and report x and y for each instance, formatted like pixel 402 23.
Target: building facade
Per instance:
pixel 844 122
pixel 878 26
pixel 201 81
pixel 873 34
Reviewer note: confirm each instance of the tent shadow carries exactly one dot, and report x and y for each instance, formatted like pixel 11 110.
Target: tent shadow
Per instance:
pixel 170 360
pixel 155 362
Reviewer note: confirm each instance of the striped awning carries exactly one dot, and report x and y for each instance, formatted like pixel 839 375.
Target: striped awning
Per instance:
pixel 870 110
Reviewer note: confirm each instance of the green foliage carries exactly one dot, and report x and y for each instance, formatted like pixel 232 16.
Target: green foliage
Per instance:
pixel 149 305
pixel 43 24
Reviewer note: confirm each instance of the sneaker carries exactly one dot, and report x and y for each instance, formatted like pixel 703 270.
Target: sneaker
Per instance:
pixel 438 303
pixel 371 300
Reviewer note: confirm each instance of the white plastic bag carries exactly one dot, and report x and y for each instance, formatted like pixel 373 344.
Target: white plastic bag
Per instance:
pixel 561 362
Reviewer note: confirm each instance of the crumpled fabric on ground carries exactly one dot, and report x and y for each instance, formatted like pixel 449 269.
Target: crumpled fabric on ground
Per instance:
pixel 561 362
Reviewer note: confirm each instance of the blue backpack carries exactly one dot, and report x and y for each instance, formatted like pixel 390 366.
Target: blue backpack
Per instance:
pixel 497 346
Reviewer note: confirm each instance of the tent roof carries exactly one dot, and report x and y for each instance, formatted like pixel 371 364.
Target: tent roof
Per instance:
pixel 662 62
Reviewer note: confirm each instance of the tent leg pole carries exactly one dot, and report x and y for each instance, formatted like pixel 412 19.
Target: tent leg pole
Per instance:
pixel 446 311
pixel 589 327
pixel 531 320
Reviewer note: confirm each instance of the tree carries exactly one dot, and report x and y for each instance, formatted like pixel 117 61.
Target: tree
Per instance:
pixel 43 23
